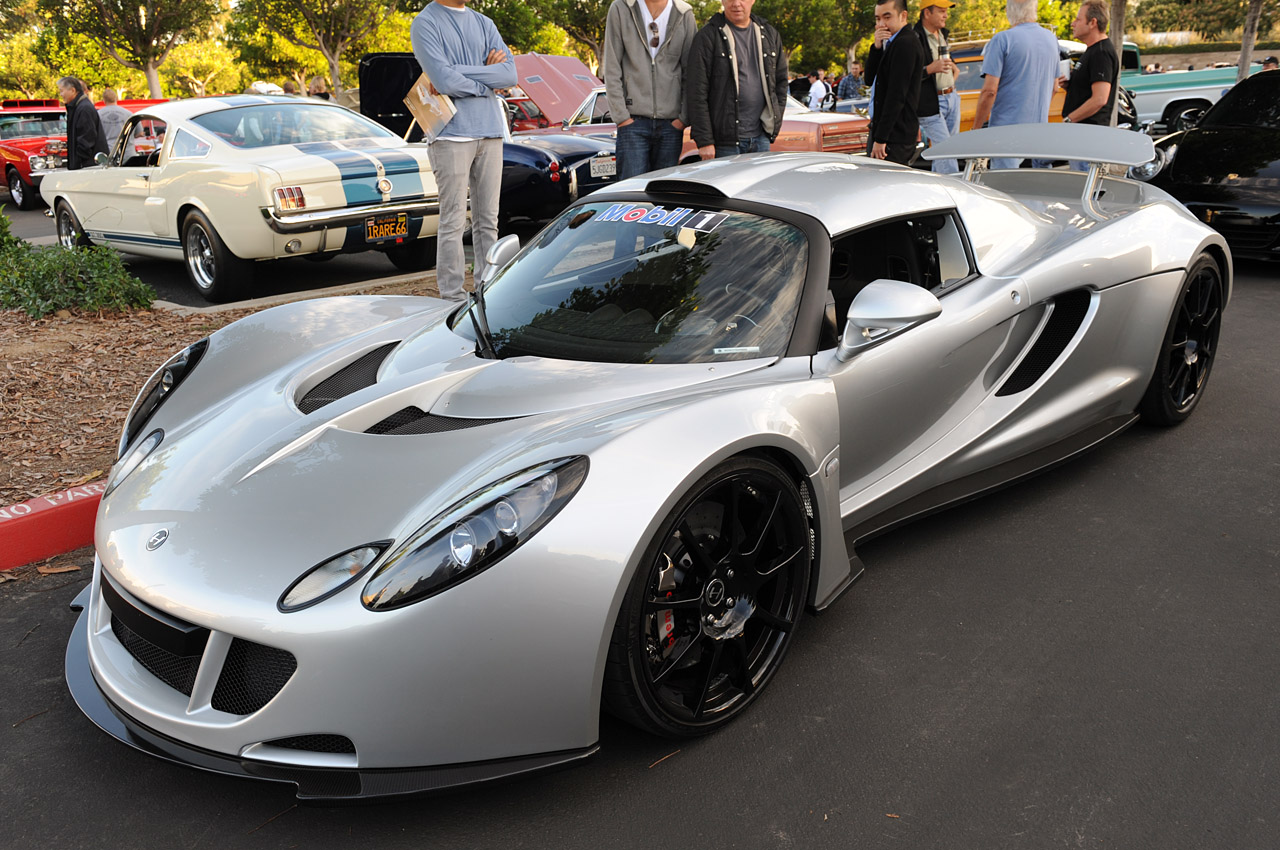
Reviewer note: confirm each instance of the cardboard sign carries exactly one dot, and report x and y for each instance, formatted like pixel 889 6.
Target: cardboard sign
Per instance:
pixel 431 111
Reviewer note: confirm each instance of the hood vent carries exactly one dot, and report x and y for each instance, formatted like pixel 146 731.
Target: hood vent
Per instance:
pixel 350 378
pixel 413 420
pixel 1069 310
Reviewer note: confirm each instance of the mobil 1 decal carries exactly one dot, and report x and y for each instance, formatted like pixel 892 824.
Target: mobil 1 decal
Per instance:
pixel 701 220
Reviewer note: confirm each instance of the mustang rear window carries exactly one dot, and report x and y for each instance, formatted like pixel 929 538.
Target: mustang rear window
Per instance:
pixel 287 124
pixel 644 283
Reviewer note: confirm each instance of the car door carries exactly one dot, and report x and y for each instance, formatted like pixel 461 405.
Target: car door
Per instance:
pixel 901 397
pixel 117 211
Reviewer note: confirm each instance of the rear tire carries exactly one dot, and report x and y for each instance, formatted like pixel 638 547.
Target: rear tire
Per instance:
pixel 1189 347
pixel 24 197
pixel 713 606
pixel 70 233
pixel 215 272
pixel 418 256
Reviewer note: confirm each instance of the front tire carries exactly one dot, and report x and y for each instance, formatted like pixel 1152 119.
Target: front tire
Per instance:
pixel 70 233
pixel 24 196
pixel 213 270
pixel 715 602
pixel 1189 347
pixel 418 256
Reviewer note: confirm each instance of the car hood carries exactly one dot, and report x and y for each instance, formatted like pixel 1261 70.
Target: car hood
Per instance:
pixel 31 144
pixel 252 491
pixel 1226 163
pixel 557 84
pixel 565 145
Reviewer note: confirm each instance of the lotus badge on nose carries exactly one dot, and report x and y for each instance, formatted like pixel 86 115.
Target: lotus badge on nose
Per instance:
pixel 157 540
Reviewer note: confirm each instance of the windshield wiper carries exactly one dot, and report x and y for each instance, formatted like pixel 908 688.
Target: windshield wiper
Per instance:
pixel 480 322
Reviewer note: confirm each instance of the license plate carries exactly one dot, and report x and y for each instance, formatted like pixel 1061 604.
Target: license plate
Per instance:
pixel 384 228
pixel 604 166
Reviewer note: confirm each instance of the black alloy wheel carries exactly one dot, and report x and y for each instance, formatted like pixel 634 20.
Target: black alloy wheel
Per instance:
pixel 1190 345
pixel 713 607
pixel 24 197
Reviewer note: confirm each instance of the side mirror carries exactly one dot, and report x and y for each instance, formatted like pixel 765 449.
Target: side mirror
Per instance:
pixel 499 254
pixel 101 159
pixel 884 309
pixel 564 124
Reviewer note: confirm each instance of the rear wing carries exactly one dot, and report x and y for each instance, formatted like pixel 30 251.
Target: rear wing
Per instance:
pixel 1089 143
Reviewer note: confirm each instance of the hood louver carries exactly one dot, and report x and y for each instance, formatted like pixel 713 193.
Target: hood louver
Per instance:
pixel 413 420
pixel 354 376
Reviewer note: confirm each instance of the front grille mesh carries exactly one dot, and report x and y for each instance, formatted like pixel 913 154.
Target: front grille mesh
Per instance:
pixel 176 671
pixel 316 743
pixel 357 375
pixel 414 420
pixel 251 676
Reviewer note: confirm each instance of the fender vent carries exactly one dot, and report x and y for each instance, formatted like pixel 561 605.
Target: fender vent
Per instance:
pixel 413 420
pixel 1069 310
pixel 316 743
pixel 350 378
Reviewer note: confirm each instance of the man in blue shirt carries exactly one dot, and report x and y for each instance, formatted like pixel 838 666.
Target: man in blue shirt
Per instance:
pixel 465 58
pixel 1020 67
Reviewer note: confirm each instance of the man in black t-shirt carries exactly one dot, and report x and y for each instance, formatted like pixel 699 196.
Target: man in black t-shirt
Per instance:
pixel 1091 91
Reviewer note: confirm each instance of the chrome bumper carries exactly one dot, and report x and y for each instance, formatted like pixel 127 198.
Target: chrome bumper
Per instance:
pixel 305 222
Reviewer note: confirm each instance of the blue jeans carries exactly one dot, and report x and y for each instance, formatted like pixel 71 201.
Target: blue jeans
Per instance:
pixel 647 144
pixel 940 127
pixel 758 144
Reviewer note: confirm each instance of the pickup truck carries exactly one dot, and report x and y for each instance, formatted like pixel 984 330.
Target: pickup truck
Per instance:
pixel 1173 98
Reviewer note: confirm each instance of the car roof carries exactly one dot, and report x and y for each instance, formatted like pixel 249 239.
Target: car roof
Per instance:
pixel 175 110
pixel 842 191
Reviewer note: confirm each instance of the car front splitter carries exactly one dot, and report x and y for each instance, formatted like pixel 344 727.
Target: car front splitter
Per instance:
pixel 314 785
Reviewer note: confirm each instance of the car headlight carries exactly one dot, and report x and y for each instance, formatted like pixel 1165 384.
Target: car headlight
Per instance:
pixel 1148 170
pixel 474 534
pixel 320 582
pixel 158 387
pixel 125 468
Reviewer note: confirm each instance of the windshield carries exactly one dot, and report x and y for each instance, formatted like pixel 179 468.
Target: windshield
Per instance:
pixel 639 283
pixel 1251 103
pixel 39 124
pixel 287 124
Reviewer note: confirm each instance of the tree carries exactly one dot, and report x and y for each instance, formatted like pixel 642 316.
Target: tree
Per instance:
pixel 198 68
pixel 583 20
pixel 67 53
pixel 1206 18
pixel 518 25
pixel 329 26
pixel 139 34
pixel 267 56
pixel 1248 38
pixel 21 73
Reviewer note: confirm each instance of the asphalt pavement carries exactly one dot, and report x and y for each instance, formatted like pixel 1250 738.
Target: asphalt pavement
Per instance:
pixel 1087 659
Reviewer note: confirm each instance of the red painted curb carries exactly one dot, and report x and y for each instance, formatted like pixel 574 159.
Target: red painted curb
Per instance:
pixel 48 525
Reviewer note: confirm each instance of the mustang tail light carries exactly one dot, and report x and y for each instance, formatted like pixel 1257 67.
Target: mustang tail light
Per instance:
pixel 290 198
pixel 554 168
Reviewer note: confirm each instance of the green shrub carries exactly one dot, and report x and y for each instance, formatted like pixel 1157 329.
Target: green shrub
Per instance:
pixel 40 281
pixel 7 239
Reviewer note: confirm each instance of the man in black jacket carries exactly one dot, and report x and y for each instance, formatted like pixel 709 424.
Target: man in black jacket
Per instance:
pixel 735 83
pixel 85 138
pixel 895 66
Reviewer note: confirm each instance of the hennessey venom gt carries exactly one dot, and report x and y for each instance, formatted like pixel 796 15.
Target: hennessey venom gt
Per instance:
pixel 379 545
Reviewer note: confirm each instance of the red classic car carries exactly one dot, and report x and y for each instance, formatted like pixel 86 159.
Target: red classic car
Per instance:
pixel 571 96
pixel 33 142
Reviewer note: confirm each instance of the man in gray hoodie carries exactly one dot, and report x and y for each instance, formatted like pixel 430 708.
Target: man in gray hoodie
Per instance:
pixel 646 43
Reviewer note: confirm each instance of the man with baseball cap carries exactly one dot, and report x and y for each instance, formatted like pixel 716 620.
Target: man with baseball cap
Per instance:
pixel 939 106
pixel 1271 63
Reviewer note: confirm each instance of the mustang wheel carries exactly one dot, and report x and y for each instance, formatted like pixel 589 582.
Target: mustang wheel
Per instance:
pixel 70 234
pixel 418 256
pixel 711 611
pixel 1190 343
pixel 23 197
pixel 216 273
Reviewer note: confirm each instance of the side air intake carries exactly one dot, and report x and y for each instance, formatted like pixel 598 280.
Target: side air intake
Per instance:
pixel 1068 314
pixel 357 375
pixel 413 420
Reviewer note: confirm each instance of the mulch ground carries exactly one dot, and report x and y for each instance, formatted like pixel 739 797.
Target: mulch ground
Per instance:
pixel 68 380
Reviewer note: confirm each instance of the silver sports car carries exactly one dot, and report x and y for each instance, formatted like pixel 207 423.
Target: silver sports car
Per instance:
pixel 377 546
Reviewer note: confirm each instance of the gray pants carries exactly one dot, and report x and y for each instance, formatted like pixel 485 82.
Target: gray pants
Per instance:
pixel 459 165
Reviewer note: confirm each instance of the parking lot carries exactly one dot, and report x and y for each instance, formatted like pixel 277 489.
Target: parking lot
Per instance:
pixel 1087 659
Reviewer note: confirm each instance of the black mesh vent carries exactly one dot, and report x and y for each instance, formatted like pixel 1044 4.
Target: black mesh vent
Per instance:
pixel 316 743
pixel 1068 312
pixel 354 376
pixel 413 420
pixel 176 671
pixel 251 676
